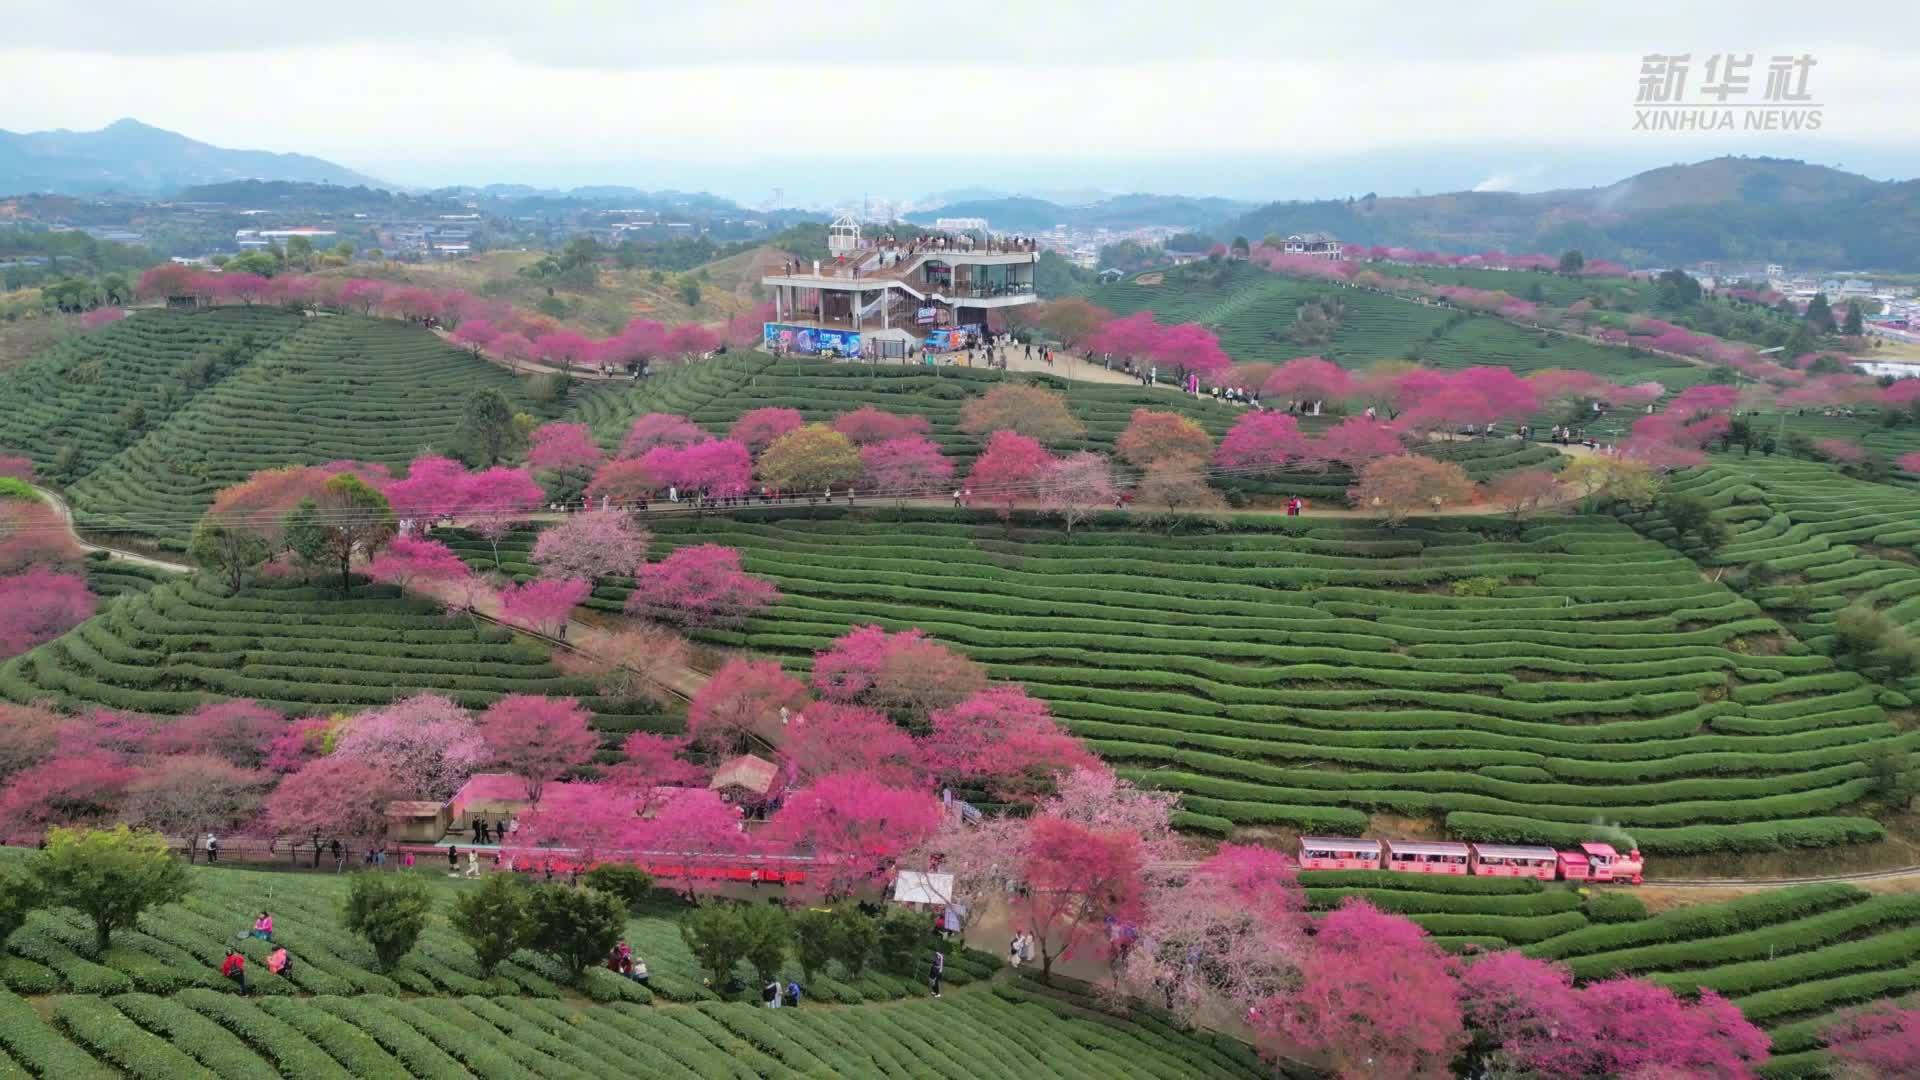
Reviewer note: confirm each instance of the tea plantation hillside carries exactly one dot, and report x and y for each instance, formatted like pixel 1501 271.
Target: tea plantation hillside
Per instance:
pixel 155 1006
pixel 715 393
pixel 91 396
pixel 1827 541
pixel 1310 673
pixel 337 387
pixel 1257 315
pixel 301 649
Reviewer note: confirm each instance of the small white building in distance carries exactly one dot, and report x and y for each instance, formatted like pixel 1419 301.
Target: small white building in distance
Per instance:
pixel 1315 245
pixel 960 224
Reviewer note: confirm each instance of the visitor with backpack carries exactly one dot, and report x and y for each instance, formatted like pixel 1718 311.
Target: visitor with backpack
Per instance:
pixel 280 963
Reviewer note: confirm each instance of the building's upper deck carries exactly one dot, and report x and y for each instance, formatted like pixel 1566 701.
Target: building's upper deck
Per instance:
pixel 924 265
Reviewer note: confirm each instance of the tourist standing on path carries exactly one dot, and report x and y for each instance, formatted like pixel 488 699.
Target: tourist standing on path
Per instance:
pixel 938 971
pixel 453 859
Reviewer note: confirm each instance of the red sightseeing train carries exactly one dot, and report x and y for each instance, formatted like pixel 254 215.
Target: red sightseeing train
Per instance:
pixel 1593 862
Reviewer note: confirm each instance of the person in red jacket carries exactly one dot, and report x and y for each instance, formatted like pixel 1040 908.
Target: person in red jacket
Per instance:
pixel 235 968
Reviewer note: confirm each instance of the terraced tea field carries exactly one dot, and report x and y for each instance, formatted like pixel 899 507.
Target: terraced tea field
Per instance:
pixel 296 648
pixel 1833 540
pixel 155 1006
pixel 89 397
pixel 1311 673
pixel 1254 311
pixel 338 387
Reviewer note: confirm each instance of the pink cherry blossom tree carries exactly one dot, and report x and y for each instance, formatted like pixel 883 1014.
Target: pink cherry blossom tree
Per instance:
pixel 700 586
pixel 757 428
pixel 1078 486
pixel 1075 879
pixel 428 743
pixel 1095 796
pixel 1133 337
pixel 1376 995
pixel 1004 741
pixel 721 468
pixel 1232 929
pixel 410 559
pixel 241 731
pixel 563 448
pixel 495 500
pixel 1261 444
pixel 544 604
pixel 591 546
pixel 624 482
pixel 434 488
pixel 40 605
pixel 911 465
pixel 693 822
pixel 1192 349
pixel 1308 379
pixel 830 737
pixel 1355 442
pixel 867 425
pixel 659 429
pixel 1007 471
pixel 1882 1040
pixel 538 739
pixel 650 762
pixel 79 785
pixel 740 705
pixel 1909 462
pixel 856 828
pixel 335 796
pixel 1644 1026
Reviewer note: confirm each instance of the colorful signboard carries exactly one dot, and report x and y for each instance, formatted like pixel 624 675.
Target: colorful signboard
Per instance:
pixel 810 340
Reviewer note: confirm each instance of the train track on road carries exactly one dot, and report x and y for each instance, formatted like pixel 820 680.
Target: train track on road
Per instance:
pixel 1893 874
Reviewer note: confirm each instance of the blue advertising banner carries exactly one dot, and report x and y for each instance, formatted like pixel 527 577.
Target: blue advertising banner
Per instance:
pixel 810 341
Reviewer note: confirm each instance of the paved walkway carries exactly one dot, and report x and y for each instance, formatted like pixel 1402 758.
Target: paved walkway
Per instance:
pixel 116 554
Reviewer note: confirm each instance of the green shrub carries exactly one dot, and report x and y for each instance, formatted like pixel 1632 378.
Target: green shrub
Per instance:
pixel 389 911
pixel 1615 907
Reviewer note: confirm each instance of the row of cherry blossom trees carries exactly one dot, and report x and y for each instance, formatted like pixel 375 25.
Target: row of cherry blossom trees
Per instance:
pixel 478 323
pixel 238 766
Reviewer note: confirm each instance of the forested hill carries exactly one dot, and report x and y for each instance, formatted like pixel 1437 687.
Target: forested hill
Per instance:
pixel 1743 209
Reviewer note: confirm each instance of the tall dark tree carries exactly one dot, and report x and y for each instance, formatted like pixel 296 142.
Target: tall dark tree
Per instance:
pixel 487 431
pixel 1820 314
pixel 1855 325
pixel 1572 262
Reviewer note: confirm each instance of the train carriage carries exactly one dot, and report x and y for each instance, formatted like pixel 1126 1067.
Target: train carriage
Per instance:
pixel 1427 857
pixel 1338 853
pixel 1507 860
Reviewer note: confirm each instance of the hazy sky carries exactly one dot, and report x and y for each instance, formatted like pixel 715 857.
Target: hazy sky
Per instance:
pixel 897 98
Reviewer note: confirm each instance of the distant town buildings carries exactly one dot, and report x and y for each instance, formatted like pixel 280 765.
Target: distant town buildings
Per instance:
pixel 960 224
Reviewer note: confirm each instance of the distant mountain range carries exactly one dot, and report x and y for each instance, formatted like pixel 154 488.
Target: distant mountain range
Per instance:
pixel 1021 213
pixel 130 157
pixel 1742 209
